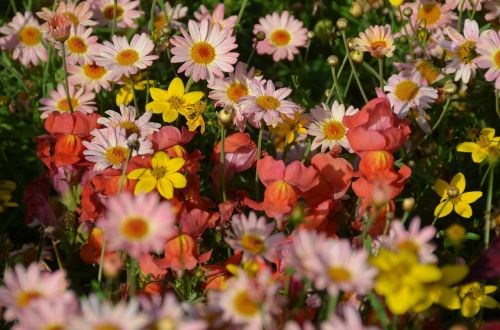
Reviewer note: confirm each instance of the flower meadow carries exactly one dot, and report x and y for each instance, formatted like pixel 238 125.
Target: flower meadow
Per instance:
pixel 249 164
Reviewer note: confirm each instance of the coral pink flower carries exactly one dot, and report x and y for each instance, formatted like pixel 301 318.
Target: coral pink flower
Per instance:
pixel 59 27
pixel 79 14
pixel 81 46
pixel 376 127
pixel 488 48
pixel 126 12
pixel 76 123
pixel 284 34
pixel 24 36
pixel 80 99
pixel 217 17
pixel 90 76
pixel 377 40
pixel 137 224
pixel 169 136
pixel 181 254
pixel 205 51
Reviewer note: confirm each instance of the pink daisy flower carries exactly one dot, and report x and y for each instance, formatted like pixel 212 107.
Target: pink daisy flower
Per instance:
pixel 488 48
pixel 23 286
pixel 80 14
pixel 377 40
pixel 109 148
pixel 205 52
pixel 103 315
pixel 467 4
pixel 81 46
pixel 126 12
pixel 174 14
pixel 284 34
pixel 137 224
pixel 254 236
pixel 80 99
pixel 350 321
pixel 409 92
pixel 24 36
pixel 266 103
pixel 123 58
pixel 91 76
pixel 217 17
pixel 493 8
pixel 304 253
pixel 463 48
pixel 434 14
pixel 127 119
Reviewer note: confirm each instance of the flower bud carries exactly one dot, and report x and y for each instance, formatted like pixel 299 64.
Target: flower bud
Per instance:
pixel 59 27
pixel 226 116
pixel 310 34
pixel 422 35
pixel 408 204
pixel 407 11
pixel 356 10
pixel 341 23
pixel 333 60
pixel 261 35
pixel 351 43
pixel 357 56
pixel 455 234
pixel 450 88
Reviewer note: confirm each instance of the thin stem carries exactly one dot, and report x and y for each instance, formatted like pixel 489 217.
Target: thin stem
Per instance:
pixel 113 27
pixel 152 16
pixel 131 277
pixel 307 151
pixel 259 149
pixel 406 215
pixel 348 85
pixel 371 70
pixel 381 72
pixel 344 61
pixel 337 87
pixel 251 55
pixel 331 306
pixel 497 102
pixel 58 256
pixel 136 104
pixel 240 14
pixel 487 215
pixel 445 109
pixel 356 76
pixel 440 211
pixel 188 85
pixel 222 162
pixel 13 5
pixel 406 32
pixel 461 12
pixel 66 85
pixel 370 221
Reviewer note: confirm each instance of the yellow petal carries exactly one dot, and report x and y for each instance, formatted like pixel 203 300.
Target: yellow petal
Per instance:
pixel 470 307
pixel 471 196
pixel 175 164
pixel 193 97
pixel 454 273
pixel 443 211
pixel 489 302
pixel 124 96
pixel 169 115
pixel 159 159
pixel 159 94
pixel 489 289
pixel 467 147
pixel 488 132
pixel 479 155
pixel 400 301
pixel 441 187
pixel 458 181
pixel 176 87
pixel 138 173
pixel 463 209
pixel 145 185
pixel 426 273
pixel 165 188
pixel 449 298
pixel 178 180
pixel 157 106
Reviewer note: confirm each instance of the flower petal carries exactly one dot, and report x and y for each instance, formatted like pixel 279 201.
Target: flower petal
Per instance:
pixel 174 164
pixel 159 159
pixel 138 173
pixel 176 87
pixel 158 94
pixel 443 210
pixel 441 187
pixel 178 180
pixel 145 185
pixel 458 181
pixel 165 188
pixel 471 196
pixel 463 209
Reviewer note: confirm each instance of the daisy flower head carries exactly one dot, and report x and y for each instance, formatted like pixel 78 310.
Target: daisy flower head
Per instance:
pixel 81 100
pixel 126 12
pixel 109 148
pixel 103 315
pixel 433 14
pixel 80 14
pixel 174 14
pixel 409 92
pixel 463 48
pixel 488 49
pixel 351 321
pixel 24 36
pixel 205 51
pixel 284 35
pixel 22 286
pixel 253 236
pixel 291 130
pixel 127 119
pixel 327 128
pixel 55 315
pixel 266 103
pixel 123 58
pixel 377 40
pixel 427 70
pixel 304 253
pixel 89 76
pixel 137 224
pixel 217 17
pixel 493 8
pixel 227 91
pixel 81 46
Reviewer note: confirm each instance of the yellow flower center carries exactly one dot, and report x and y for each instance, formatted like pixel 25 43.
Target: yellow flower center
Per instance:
pixel 253 243
pixel 159 21
pixel 455 233
pixel 427 71
pixel 63 104
pixel 474 292
pixel 339 274
pixel 236 91
pixel 54 326
pixel 108 12
pixel 135 228
pixel 281 37
pixel 176 102
pixel 244 305
pixel 30 35
pixel 202 53
pixel 333 130
pixel 94 71
pixel 429 13
pixel 25 297
pixel 268 102
pixel 106 326
pixel 378 45
pixel 165 323
pixel 74 19
pixel 496 58
pixel 158 172
pixel 483 141
pixel 77 45
pixel 116 155
pixel 466 52
pixel 406 90
pixel 409 245
pixel 127 57
pixel 130 127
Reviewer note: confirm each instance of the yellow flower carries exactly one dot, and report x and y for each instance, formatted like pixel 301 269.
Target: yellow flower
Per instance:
pixel 125 95
pixel 289 130
pixel 194 116
pixel 453 197
pixel 474 297
pixel 396 3
pixel 163 175
pixel 6 189
pixel 487 146
pixel 402 279
pixel 173 101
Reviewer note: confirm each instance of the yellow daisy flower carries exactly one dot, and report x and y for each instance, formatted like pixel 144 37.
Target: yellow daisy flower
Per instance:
pixel 474 297
pixel 453 197
pixel 487 146
pixel 173 101
pixel 125 95
pixel 288 131
pixel 194 116
pixel 163 175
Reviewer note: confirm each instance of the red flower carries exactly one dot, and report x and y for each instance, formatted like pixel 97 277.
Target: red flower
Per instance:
pixel 181 254
pixel 169 136
pixel 76 123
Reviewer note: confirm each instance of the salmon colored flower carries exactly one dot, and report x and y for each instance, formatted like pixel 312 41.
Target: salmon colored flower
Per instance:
pixel 486 147
pixel 79 14
pixel 453 197
pixel 181 253
pixel 377 40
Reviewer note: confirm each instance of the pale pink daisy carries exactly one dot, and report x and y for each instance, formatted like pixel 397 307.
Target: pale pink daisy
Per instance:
pixel 488 48
pixel 344 269
pixel 109 148
pixel 126 12
pixel 409 92
pixel 493 8
pixel 325 124
pixel 433 14
pixel 174 14
pixel 81 46
pixel 304 253
pixel 24 36
pixel 463 48
pixel 253 236
pixel 427 69
pixel 266 103
pixel 350 321
pixel 103 315
pixel 284 35
pixel 377 40
pixel 205 51
pixel 466 4
pixel 137 224
pixel 80 99
pixel 90 76
pixel 80 14
pixel 217 17
pixel 127 119
pixel 22 286
pixel 123 58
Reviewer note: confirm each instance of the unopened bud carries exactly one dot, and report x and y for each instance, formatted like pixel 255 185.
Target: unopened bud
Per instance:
pixel 356 10
pixel 341 23
pixel 59 27
pixel 422 35
pixel 261 35
pixel 407 11
pixel 357 56
pixel 450 88
pixel 310 34
pixel 408 204
pixel 351 44
pixel 333 60
pixel 226 116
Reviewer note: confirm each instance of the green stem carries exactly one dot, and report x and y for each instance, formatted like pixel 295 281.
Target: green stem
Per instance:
pixel 66 85
pixel 440 211
pixel 356 76
pixel 440 119
pixel 136 103
pixel 331 306
pixel 251 55
pixel 188 85
pixel 113 27
pixel 13 5
pixel 58 256
pixel 461 12
pixel 131 277
pixel 222 162
pixel 348 85
pixel 307 151
pixel 152 16
pixel 406 215
pixel 371 70
pixel 240 14
pixel 337 87
pixel 46 70
pixel 381 72
pixel 344 61
pixel 497 102
pixel 487 215
pixel 259 149
pixel 370 222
